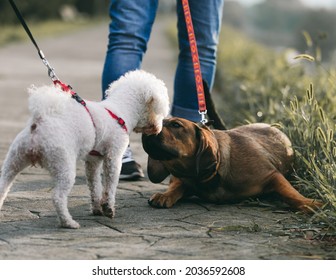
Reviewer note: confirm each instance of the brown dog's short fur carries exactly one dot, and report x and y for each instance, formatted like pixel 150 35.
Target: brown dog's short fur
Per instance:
pixel 221 166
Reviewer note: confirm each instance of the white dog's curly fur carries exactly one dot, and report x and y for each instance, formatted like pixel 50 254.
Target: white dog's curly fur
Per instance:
pixel 60 131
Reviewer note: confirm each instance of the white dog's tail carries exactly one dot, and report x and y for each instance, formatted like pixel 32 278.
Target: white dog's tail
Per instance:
pixel 47 100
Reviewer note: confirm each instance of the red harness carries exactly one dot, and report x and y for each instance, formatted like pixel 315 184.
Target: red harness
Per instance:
pixel 120 121
pixel 74 95
pixel 68 89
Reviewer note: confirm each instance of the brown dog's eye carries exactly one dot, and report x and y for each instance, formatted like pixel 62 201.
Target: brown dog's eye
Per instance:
pixel 175 124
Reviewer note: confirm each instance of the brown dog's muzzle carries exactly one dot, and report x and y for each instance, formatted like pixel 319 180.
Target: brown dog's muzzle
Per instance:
pixel 154 147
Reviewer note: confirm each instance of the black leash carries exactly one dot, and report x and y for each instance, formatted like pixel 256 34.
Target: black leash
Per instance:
pixel 51 72
pixel 26 28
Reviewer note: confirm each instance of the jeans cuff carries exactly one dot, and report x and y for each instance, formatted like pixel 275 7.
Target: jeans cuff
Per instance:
pixel 189 114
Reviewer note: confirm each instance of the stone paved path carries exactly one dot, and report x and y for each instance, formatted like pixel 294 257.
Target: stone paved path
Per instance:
pixel 190 230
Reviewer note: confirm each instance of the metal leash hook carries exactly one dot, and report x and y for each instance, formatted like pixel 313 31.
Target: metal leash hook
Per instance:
pixel 51 71
pixel 203 118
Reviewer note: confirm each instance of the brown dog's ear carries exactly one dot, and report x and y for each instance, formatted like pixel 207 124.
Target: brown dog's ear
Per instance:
pixel 207 155
pixel 157 172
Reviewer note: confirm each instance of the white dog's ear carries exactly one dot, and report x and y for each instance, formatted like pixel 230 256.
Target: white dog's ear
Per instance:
pixel 150 102
pixel 157 172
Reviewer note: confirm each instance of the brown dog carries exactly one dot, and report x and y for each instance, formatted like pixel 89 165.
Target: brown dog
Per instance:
pixel 221 166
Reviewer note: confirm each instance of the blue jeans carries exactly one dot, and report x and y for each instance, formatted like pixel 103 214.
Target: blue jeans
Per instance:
pixel 129 32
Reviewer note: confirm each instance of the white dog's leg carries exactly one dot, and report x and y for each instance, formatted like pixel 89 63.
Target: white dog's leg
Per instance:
pixel 16 160
pixel 93 167
pixel 64 172
pixel 111 167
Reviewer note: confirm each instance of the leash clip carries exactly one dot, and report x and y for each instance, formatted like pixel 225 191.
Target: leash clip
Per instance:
pixel 203 118
pixel 51 72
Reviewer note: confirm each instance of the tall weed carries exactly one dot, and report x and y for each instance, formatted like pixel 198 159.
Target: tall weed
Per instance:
pixel 313 136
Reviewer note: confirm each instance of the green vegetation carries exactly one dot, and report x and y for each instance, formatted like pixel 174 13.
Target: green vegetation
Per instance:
pixel 14 33
pixel 280 23
pixel 49 18
pixel 259 84
pixel 41 10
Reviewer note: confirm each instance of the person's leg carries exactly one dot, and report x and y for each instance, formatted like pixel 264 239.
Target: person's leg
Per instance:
pixel 129 32
pixel 206 18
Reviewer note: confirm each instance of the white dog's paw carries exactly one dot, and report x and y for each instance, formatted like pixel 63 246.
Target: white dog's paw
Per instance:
pixel 108 211
pixel 70 224
pixel 97 211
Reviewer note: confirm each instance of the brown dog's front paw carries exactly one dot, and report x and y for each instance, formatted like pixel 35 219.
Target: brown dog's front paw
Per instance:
pixel 310 206
pixel 108 211
pixel 161 200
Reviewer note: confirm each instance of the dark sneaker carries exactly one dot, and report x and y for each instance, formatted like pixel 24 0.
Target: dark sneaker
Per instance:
pixel 131 171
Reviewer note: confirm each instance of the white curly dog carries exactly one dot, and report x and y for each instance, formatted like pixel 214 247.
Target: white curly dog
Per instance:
pixel 60 131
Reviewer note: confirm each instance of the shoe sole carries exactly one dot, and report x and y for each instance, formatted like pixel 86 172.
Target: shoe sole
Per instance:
pixel 131 177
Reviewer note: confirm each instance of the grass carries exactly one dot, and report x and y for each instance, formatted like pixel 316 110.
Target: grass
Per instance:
pixel 309 123
pixel 259 84
pixel 16 33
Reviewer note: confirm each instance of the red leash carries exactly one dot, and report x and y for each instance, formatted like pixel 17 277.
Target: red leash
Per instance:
pixel 195 60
